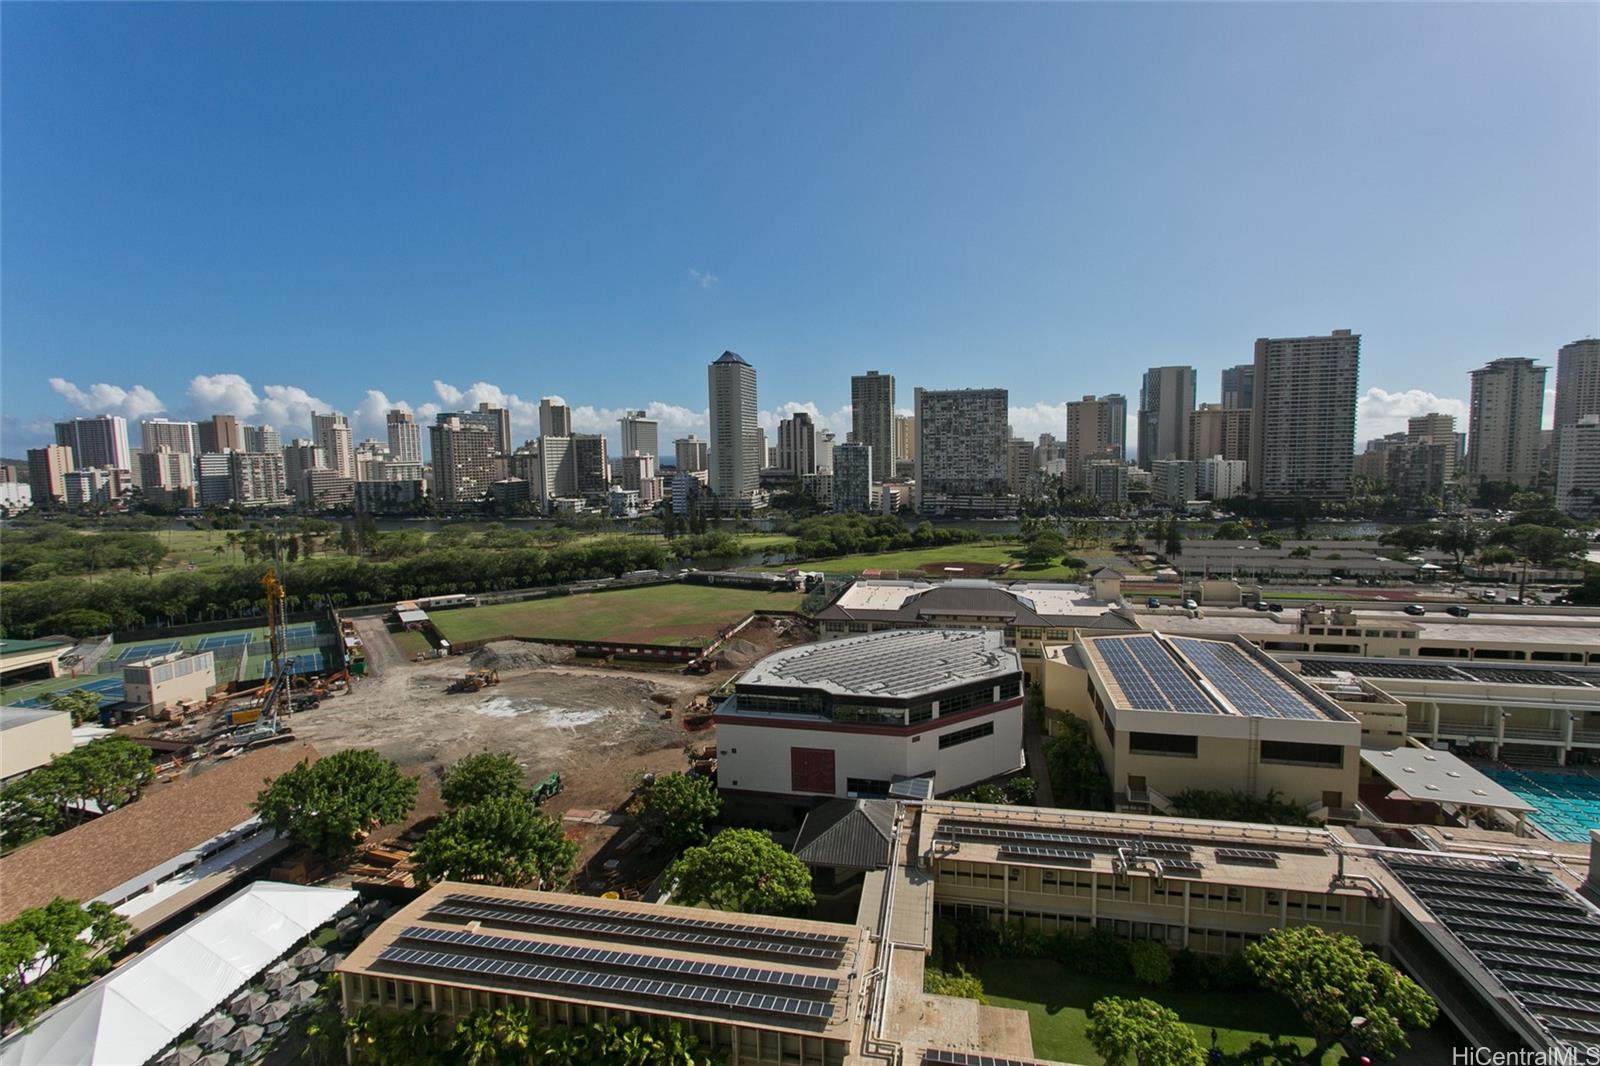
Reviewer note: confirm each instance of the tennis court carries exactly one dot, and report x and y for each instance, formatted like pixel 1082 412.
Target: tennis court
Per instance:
pixel 1568 805
pixel 109 689
pixel 222 640
pixel 135 652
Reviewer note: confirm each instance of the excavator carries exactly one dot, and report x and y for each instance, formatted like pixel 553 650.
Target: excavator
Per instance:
pixel 475 681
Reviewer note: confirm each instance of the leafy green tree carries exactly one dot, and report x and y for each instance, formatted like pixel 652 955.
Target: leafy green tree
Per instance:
pixel 675 808
pixel 1332 980
pixel 107 773
pixel 1231 531
pixel 1413 538
pixel 328 805
pixel 502 840
pixel 1460 539
pixel 1270 540
pixel 80 703
pixel 47 953
pixel 742 870
pixel 475 778
pixel 961 984
pixel 1142 1032
pixel 77 623
pixel 1151 962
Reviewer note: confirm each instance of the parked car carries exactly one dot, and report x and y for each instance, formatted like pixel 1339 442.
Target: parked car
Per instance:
pixel 1457 611
pixel 1275 608
pixel 1416 608
pixel 1515 601
pixel 1260 606
pixel 1190 605
pixel 1153 601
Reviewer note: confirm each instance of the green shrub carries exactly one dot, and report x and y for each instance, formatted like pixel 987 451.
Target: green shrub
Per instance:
pixel 1212 973
pixel 1021 790
pixel 1100 954
pixel 961 983
pixel 1074 767
pixel 1150 962
pixel 1238 806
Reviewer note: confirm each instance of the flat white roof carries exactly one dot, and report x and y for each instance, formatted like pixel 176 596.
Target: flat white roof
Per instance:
pixel 880 595
pixel 1440 777
pixel 895 662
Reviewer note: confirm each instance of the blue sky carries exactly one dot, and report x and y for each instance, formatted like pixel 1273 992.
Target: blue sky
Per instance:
pixel 268 207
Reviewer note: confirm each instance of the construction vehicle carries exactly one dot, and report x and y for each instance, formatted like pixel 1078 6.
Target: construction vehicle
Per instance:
pixel 474 681
pixel 547 789
pixel 701 665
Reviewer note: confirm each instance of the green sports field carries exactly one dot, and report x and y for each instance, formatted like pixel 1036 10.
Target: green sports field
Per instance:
pixel 1001 554
pixel 663 614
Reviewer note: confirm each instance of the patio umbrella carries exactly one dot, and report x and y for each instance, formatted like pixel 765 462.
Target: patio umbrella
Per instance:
pixel 280 977
pixel 214 1029
pixel 308 956
pixel 241 1040
pixel 299 992
pixel 251 999
pixel 330 963
pixel 275 1011
pixel 216 1058
pixel 182 1055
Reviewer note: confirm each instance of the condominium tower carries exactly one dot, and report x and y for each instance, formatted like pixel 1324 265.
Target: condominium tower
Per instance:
pixel 1438 429
pixel 1503 421
pixel 1303 422
pixel 1218 430
pixel 47 471
pixel 797 444
pixel 158 433
pixel 555 418
pixel 690 454
pixel 961 451
pixel 332 434
pixel 220 433
pixel 640 434
pixel 1097 428
pixel 405 436
pixel 1239 386
pixel 736 440
pixel 1166 399
pixel 463 460
pixel 872 419
pixel 96 442
pixel 1577 384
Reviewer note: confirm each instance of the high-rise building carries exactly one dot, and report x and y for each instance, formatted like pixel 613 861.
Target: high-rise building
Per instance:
pixel 825 443
pixel 258 478
pixel 214 486
pixel 1503 422
pixel 961 451
pixel 332 434
pixel 405 436
pixel 1106 480
pixel 1218 430
pixel 1578 468
pixel 1415 471
pixel 1239 386
pixel 1166 399
pixel 1174 482
pixel 591 467
pixel 322 489
pixel 872 419
pixel 463 460
pixel 1222 479
pixel 299 456
pixel 1440 429
pixel 220 433
pixel 690 454
pixel 101 441
pixel 1096 429
pixel 497 420
pixel 371 457
pixel 852 478
pixel 47 469
pixel 90 486
pixel 905 438
pixel 1577 384
pixel 555 474
pixel 1303 421
pixel 158 433
pixel 262 440
pixel 634 469
pixel 736 440
pixel 797 445
pixel 555 418
pixel 1020 467
pixel 640 433
pixel 166 476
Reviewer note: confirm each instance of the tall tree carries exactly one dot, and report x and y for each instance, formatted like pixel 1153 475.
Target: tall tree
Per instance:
pixel 1142 1032
pixel 47 953
pixel 477 777
pixel 742 870
pixel 502 840
pixel 675 808
pixel 1332 980
pixel 327 805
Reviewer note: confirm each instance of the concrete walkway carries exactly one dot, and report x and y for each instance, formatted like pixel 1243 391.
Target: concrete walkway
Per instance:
pixel 1033 747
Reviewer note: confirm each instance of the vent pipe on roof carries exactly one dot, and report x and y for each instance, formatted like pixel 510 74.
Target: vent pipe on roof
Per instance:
pixel 1594 859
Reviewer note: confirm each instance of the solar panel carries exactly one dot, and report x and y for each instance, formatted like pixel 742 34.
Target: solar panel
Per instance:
pixel 1182 867
pixel 1002 836
pixel 670 920
pixel 677 991
pixel 912 788
pixel 1027 851
pixel 624 959
pixel 942 1057
pixel 1251 687
pixel 1246 857
pixel 624 931
pixel 1150 678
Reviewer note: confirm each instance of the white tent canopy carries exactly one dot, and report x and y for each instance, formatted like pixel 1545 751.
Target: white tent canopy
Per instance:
pixel 129 1015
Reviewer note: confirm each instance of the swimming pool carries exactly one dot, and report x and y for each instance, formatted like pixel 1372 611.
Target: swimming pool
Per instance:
pixel 1568 804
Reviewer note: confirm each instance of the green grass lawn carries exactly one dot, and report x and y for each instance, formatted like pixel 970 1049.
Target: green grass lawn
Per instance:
pixel 913 558
pixel 1057 1001
pixel 410 642
pixel 662 614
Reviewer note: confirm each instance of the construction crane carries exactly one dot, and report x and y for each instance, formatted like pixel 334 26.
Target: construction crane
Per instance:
pixel 275 620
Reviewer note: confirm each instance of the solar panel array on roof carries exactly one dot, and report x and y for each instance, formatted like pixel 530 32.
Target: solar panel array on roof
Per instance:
pixel 628 987
pixel 624 960
pixel 1506 675
pixel 1150 678
pixel 912 788
pixel 1005 836
pixel 1246 857
pixel 1182 867
pixel 1251 687
pixel 1030 851
pixel 1541 943
pixel 940 1057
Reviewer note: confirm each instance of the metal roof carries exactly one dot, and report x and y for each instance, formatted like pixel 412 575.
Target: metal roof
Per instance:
pixel 852 833
pixel 896 662
pixel 730 357
pixel 1439 777
pixel 15 716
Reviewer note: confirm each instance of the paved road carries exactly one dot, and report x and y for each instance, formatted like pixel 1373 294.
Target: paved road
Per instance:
pixel 382 654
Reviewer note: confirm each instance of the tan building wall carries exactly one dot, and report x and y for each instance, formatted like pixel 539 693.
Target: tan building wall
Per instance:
pixel 28 745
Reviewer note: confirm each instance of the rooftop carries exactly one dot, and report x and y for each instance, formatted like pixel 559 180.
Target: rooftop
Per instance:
pixel 730 357
pixel 91 859
pixel 10 717
pixel 1023 603
pixel 847 833
pixel 24 647
pixel 775 973
pixel 1465 672
pixel 896 662
pixel 1152 672
pixel 1439 777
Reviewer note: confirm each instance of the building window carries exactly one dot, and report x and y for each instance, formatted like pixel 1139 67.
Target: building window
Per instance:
pixel 961 736
pixel 866 788
pixel 1163 744
pixel 1314 754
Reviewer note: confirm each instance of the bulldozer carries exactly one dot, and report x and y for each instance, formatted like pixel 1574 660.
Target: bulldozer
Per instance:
pixel 475 681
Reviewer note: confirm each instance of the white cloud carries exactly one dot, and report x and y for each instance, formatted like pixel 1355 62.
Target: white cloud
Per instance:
pixel 291 406
pixel 703 278
pixel 1379 411
pixel 524 413
pixel 372 413
pixel 673 421
pixel 227 394
pixel 104 399
pixel 1029 422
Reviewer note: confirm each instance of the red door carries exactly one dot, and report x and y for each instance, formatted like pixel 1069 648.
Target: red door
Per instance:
pixel 811 770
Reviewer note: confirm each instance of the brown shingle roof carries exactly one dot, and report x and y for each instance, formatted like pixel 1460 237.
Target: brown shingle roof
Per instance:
pixel 98 856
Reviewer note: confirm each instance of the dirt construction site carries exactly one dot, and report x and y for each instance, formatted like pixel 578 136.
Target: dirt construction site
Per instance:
pixel 598 724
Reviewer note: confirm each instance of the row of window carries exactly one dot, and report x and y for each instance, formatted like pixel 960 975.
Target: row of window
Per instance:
pixel 962 736
pixel 1206 941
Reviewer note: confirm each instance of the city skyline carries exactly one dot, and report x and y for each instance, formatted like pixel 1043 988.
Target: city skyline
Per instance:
pixel 291 242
